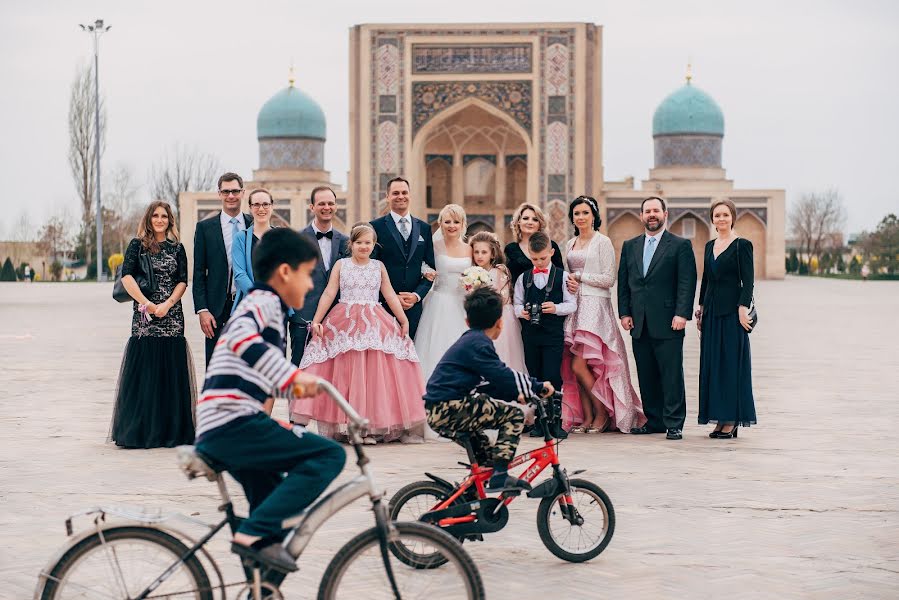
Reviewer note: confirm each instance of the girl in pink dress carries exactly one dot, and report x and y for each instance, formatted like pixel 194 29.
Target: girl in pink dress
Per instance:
pixel 488 254
pixel 594 366
pixel 364 352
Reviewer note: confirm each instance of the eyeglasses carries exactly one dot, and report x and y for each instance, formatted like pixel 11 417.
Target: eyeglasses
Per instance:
pixel 231 192
pixel 261 205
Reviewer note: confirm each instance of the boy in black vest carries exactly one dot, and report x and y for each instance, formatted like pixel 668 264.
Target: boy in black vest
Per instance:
pixel 542 301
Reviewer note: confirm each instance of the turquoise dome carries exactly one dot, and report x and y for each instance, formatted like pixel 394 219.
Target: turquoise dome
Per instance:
pixel 688 110
pixel 291 114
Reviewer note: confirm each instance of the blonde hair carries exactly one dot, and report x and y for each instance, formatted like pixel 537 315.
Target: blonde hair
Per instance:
pixel 360 229
pixel 456 211
pixel 145 227
pixel 516 217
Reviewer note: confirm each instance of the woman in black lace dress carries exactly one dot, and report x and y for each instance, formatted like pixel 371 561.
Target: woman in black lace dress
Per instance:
pixel 156 393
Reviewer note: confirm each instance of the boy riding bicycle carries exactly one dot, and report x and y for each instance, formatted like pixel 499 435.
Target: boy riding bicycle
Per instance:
pixel 471 389
pixel 247 367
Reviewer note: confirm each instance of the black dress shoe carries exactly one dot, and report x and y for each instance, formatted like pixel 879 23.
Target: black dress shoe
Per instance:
pixel 273 556
pixel 641 430
pixel 674 434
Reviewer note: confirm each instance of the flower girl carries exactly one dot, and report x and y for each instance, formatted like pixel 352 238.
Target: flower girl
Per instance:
pixel 365 352
pixel 488 254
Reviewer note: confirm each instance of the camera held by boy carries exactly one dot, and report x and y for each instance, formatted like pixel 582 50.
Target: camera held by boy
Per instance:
pixel 282 469
pixel 471 389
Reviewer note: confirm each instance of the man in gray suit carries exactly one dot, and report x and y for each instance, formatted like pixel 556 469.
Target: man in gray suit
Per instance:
pixel 333 246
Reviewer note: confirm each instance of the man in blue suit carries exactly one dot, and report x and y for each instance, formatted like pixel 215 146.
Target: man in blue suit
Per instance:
pixel 404 243
pixel 332 246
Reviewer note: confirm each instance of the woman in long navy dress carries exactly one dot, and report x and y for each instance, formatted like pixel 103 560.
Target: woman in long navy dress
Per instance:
pixel 725 296
pixel 156 393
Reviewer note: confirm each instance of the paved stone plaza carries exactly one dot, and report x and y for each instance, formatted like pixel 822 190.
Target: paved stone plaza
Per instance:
pixel 806 505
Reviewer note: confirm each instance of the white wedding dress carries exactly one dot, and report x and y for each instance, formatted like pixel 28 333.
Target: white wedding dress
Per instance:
pixel 443 315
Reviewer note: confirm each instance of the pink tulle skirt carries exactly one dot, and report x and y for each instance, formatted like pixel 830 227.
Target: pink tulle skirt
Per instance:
pixel 596 338
pixel 365 355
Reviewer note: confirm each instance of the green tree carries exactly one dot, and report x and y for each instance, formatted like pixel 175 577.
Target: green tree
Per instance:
pixel 794 262
pixel 885 242
pixel 826 262
pixel 841 264
pixel 8 272
pixel 855 265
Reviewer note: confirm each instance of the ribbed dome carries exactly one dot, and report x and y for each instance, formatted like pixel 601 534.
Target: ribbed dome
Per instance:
pixel 688 110
pixel 291 114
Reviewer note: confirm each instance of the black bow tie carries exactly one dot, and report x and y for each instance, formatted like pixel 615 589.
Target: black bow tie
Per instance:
pixel 319 235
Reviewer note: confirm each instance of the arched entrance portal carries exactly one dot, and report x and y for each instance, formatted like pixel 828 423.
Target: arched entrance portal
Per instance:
pixel 750 227
pixel 474 155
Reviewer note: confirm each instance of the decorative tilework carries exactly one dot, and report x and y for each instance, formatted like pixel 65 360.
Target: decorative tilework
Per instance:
pixel 467 158
pixel 510 158
pixel 447 157
pixel 275 153
pixel 687 151
pixel 388 71
pixel 557 148
pixel 557 220
pixel 471 58
pixel 556 184
pixel 556 105
pixel 557 66
pixel 387 104
pixel 512 97
pixel 388 147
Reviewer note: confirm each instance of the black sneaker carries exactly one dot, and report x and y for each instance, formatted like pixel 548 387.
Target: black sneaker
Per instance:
pixel 273 556
pixel 508 484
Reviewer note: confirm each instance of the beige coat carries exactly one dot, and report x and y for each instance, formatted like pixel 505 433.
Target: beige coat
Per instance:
pixel 599 271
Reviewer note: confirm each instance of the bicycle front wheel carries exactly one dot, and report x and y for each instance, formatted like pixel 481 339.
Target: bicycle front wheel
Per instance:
pixel 573 542
pixel 358 569
pixel 122 564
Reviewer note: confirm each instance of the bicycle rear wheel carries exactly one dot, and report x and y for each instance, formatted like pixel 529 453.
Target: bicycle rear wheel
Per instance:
pixel 130 560
pixel 358 571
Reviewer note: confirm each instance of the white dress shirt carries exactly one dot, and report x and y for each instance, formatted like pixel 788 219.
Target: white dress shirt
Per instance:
pixel 324 245
pixel 563 309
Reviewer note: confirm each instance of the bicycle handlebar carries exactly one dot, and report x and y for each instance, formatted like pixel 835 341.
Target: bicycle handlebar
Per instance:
pixel 345 406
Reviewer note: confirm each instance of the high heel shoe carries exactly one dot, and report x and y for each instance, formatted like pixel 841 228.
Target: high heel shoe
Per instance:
pixel 714 434
pixel 726 435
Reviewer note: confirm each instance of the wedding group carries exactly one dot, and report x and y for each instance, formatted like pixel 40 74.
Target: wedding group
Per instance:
pixel 388 301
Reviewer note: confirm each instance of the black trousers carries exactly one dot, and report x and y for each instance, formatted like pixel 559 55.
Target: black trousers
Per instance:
pixel 281 471
pixel 220 320
pixel 660 370
pixel 298 333
pixel 543 355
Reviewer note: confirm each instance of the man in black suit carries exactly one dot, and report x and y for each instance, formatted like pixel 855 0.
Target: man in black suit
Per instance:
pixel 404 243
pixel 656 286
pixel 332 246
pixel 213 285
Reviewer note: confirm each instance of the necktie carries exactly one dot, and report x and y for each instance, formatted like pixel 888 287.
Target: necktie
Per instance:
pixel 541 271
pixel 647 254
pixel 404 228
pixel 234 231
pixel 320 234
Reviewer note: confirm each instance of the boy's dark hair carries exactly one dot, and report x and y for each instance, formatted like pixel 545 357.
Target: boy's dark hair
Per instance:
pixel 538 242
pixel 279 246
pixel 483 307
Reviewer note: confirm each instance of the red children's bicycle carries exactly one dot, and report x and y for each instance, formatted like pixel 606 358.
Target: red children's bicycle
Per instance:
pixel 575 518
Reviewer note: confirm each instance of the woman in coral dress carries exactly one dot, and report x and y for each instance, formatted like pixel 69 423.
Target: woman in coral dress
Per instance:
pixel 366 353
pixel 595 368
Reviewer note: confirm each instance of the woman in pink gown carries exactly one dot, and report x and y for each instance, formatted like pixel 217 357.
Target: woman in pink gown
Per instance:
pixel 595 369
pixel 364 352
pixel 487 253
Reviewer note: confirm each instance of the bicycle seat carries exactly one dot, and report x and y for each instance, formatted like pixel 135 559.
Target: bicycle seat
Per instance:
pixel 194 464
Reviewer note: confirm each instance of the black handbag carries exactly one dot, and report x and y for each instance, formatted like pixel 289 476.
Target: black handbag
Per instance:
pixel 753 313
pixel 145 278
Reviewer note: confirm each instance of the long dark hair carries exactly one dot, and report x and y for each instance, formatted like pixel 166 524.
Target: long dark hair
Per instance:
pixel 145 228
pixel 592 204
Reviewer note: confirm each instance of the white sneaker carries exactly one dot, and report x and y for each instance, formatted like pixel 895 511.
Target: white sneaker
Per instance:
pixel 433 436
pixel 411 438
pixel 369 441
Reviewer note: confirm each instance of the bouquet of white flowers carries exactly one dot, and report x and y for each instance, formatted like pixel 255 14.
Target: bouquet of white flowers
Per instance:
pixel 474 278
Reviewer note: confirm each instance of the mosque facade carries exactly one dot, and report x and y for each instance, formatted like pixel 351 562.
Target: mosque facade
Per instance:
pixel 488 116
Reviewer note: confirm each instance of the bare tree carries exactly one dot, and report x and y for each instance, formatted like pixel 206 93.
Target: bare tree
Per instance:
pixel 21 233
pixel 182 169
pixel 82 144
pixel 817 217
pixel 119 200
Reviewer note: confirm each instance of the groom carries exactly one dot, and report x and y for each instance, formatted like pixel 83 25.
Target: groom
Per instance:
pixel 404 243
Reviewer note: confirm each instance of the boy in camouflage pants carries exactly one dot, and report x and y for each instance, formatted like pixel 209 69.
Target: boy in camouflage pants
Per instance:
pixel 471 389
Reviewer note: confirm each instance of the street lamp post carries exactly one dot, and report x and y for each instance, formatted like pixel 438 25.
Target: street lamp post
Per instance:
pixel 96 30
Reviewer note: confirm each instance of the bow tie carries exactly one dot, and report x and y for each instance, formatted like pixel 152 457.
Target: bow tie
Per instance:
pixel 329 234
pixel 546 271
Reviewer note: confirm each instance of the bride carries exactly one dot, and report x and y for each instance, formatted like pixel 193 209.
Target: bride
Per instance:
pixel 443 315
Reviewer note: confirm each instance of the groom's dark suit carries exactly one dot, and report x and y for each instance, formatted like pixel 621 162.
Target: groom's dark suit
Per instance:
pixel 403 258
pixel 652 301
pixel 320 276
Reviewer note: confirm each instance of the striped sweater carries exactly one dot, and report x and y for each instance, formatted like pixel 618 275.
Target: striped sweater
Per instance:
pixel 248 364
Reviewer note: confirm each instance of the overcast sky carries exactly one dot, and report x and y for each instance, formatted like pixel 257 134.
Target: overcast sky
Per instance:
pixel 809 89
